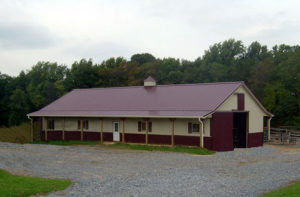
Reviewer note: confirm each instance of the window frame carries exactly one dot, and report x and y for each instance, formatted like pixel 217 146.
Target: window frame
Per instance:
pixel 85 125
pixel 143 124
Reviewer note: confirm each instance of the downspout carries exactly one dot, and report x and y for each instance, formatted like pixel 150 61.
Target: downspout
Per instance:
pixel 269 128
pixel 31 129
pixel 202 128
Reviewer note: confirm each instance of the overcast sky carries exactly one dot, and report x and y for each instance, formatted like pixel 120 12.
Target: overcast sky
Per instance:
pixel 67 30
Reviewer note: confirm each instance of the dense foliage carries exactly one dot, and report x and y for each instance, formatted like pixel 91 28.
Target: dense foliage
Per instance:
pixel 273 76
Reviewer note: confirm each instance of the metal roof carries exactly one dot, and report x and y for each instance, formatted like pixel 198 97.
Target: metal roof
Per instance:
pixel 184 100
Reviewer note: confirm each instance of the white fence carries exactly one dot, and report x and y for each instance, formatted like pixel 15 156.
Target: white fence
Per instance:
pixel 285 136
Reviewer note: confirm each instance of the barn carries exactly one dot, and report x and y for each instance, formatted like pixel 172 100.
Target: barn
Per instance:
pixel 217 116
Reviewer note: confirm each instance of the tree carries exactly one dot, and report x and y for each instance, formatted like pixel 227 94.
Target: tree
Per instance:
pixel 5 92
pixel 18 107
pixel 142 58
pixel 82 75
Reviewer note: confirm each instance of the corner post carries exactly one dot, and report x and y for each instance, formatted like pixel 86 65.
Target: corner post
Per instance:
pixel 147 130
pixel 101 130
pixel 63 128
pixel 46 129
pixel 172 131
pixel 123 130
pixel 81 129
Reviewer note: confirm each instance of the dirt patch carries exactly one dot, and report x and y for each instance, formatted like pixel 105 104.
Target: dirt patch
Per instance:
pixel 289 149
pixel 243 163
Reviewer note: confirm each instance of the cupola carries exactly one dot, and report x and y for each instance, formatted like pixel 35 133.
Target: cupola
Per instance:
pixel 149 82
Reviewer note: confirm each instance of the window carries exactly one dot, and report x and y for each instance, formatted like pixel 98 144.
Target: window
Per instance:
pixel 142 126
pixel 51 124
pixel 85 124
pixel 79 124
pixel 195 128
pixel 116 127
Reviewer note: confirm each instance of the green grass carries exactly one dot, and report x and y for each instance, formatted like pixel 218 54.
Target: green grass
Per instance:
pixel 289 191
pixel 13 185
pixel 181 149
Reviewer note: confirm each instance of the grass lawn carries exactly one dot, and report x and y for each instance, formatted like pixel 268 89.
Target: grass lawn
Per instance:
pixel 289 191
pixel 182 149
pixel 13 185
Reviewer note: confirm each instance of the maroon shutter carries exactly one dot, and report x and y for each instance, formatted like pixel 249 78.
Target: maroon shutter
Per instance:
pixel 190 127
pixel 139 126
pixel 150 126
pixel 241 102
pixel 78 124
pixel 87 124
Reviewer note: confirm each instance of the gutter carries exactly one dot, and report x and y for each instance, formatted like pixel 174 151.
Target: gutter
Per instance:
pixel 269 128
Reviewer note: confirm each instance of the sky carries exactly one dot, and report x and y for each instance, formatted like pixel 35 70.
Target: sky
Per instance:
pixel 65 31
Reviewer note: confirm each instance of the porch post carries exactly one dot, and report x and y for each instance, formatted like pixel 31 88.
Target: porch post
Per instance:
pixel 172 130
pixel 123 130
pixel 147 129
pixel 101 130
pixel 46 130
pixel 63 128
pixel 81 131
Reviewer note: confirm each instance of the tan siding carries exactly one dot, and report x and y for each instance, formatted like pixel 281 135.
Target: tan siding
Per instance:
pixel 229 104
pixel 107 124
pixel 256 114
pixel 71 124
pixel 181 127
pixel 206 127
pixel 131 125
pixel 160 126
pixel 58 124
pixel 94 125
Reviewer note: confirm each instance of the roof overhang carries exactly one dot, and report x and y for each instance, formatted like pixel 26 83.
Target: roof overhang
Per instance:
pixel 112 116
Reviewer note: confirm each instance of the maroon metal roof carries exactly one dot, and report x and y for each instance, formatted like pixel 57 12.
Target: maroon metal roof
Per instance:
pixel 185 100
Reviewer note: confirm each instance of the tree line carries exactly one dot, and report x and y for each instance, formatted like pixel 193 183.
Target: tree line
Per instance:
pixel 273 75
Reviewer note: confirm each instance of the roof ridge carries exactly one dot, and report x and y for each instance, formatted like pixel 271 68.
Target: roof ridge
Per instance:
pixel 165 85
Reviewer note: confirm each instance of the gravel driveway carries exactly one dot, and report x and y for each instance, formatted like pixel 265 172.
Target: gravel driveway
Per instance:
pixel 98 171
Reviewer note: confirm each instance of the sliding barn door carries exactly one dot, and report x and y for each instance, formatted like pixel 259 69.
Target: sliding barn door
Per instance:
pixel 222 131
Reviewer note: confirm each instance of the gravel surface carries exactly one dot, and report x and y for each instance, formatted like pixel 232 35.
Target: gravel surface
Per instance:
pixel 98 171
